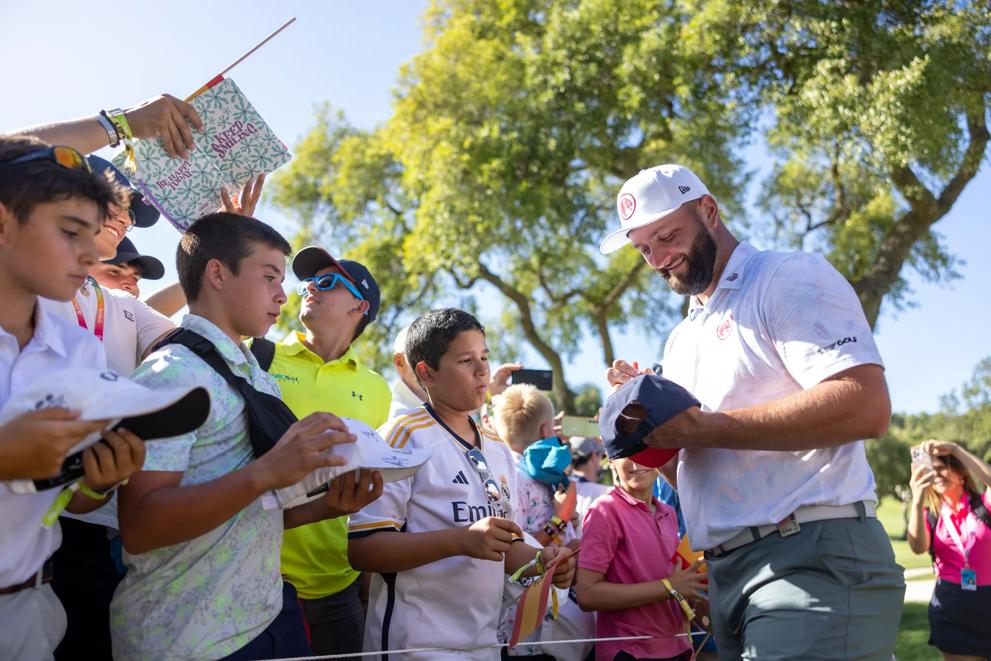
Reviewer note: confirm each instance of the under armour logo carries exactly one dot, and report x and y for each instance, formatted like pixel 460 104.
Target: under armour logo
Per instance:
pixel 358 396
pixel 460 478
pixel 732 277
pixel 684 189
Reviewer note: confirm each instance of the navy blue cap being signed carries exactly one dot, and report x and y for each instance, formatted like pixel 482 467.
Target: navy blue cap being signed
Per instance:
pixel 633 411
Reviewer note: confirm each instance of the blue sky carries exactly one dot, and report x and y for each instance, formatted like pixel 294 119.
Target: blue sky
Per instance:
pixel 67 59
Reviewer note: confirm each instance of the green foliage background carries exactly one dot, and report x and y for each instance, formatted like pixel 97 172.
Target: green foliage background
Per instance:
pixel 492 182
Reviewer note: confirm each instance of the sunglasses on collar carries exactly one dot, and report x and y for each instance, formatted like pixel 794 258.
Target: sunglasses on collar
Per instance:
pixel 492 491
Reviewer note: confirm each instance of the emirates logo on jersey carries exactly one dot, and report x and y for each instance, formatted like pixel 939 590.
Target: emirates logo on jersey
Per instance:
pixel 725 328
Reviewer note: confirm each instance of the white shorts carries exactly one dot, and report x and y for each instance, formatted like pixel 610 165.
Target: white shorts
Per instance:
pixel 32 623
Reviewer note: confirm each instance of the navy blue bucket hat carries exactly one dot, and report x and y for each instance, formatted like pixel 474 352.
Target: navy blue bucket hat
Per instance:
pixel 633 411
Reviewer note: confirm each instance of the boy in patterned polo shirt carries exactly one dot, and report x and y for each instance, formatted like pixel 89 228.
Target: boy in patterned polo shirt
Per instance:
pixel 203 577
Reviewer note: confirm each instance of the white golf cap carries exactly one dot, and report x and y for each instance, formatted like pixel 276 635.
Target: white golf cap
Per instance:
pixel 368 451
pixel 105 395
pixel 649 196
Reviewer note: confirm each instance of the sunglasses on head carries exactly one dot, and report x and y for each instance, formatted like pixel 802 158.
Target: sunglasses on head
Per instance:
pixel 67 157
pixel 326 282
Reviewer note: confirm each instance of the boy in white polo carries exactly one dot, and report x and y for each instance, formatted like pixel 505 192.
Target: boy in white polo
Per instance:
pixel 51 211
pixel 773 479
pixel 443 540
pixel 127 328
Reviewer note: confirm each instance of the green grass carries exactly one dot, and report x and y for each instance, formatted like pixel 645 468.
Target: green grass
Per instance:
pixel 913 634
pixel 890 515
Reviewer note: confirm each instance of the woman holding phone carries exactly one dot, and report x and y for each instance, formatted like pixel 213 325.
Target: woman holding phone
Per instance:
pixel 950 518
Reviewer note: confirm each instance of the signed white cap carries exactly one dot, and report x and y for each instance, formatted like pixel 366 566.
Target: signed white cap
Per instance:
pixel 649 196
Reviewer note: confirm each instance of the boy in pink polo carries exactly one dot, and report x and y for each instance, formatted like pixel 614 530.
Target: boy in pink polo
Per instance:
pixel 626 570
pixel 628 544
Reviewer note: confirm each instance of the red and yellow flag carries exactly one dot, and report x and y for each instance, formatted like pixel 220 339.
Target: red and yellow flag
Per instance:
pixel 532 605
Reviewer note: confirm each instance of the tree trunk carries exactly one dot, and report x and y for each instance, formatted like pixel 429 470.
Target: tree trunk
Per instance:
pixel 563 395
pixel 925 209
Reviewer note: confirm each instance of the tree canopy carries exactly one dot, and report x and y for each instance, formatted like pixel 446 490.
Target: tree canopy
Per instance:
pixel 495 176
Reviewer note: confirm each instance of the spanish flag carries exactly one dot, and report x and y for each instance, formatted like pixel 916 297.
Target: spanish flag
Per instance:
pixel 685 555
pixel 532 605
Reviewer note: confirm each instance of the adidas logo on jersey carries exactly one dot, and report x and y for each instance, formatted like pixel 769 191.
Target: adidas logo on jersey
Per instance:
pixel 460 478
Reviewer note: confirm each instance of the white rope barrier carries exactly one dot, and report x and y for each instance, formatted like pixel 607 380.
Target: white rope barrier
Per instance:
pixel 412 650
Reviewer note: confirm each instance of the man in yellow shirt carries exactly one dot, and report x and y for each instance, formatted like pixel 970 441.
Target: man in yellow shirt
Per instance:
pixel 319 371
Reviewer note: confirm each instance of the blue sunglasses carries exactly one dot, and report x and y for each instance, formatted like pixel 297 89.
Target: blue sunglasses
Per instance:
pixel 326 282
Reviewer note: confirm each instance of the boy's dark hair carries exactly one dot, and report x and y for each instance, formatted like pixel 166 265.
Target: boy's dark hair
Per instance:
pixel 23 186
pixel 224 236
pixel 430 335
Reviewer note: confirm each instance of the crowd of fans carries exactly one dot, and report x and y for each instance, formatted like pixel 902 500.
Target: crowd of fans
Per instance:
pixel 165 550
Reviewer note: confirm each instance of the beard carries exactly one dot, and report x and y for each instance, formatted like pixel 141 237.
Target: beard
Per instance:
pixel 701 262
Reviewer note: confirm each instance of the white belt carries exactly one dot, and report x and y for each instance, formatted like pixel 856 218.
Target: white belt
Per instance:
pixel 790 525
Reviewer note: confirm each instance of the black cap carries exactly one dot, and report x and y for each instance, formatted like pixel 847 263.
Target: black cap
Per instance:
pixel 661 400
pixel 145 215
pixel 151 268
pixel 311 259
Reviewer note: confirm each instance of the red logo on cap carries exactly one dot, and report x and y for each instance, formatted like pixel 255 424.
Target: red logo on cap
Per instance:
pixel 725 328
pixel 627 205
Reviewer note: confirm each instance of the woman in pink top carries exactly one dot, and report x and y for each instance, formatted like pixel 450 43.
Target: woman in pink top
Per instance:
pixel 950 518
pixel 628 544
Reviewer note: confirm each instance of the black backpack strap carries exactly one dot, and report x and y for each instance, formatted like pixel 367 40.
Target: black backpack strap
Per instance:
pixel 264 352
pixel 203 348
pixel 978 508
pixel 265 427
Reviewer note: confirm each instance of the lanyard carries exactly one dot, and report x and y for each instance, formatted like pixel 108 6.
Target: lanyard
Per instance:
pixel 98 323
pixel 951 528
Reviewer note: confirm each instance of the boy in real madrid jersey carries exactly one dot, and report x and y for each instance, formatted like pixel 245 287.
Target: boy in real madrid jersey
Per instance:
pixel 441 542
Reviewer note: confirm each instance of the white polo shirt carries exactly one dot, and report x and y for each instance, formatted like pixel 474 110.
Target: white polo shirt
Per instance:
pixel 403 399
pixel 777 323
pixel 129 327
pixel 454 602
pixel 25 543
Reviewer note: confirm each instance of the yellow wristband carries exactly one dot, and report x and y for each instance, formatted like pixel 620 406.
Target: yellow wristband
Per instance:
pixel 677 596
pixel 61 502
pixel 92 493
pixel 120 120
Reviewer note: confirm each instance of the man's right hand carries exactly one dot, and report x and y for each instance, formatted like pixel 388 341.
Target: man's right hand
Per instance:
pixel 688 581
pixel 301 450
pixel 167 118
pixel 33 445
pixel 489 538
